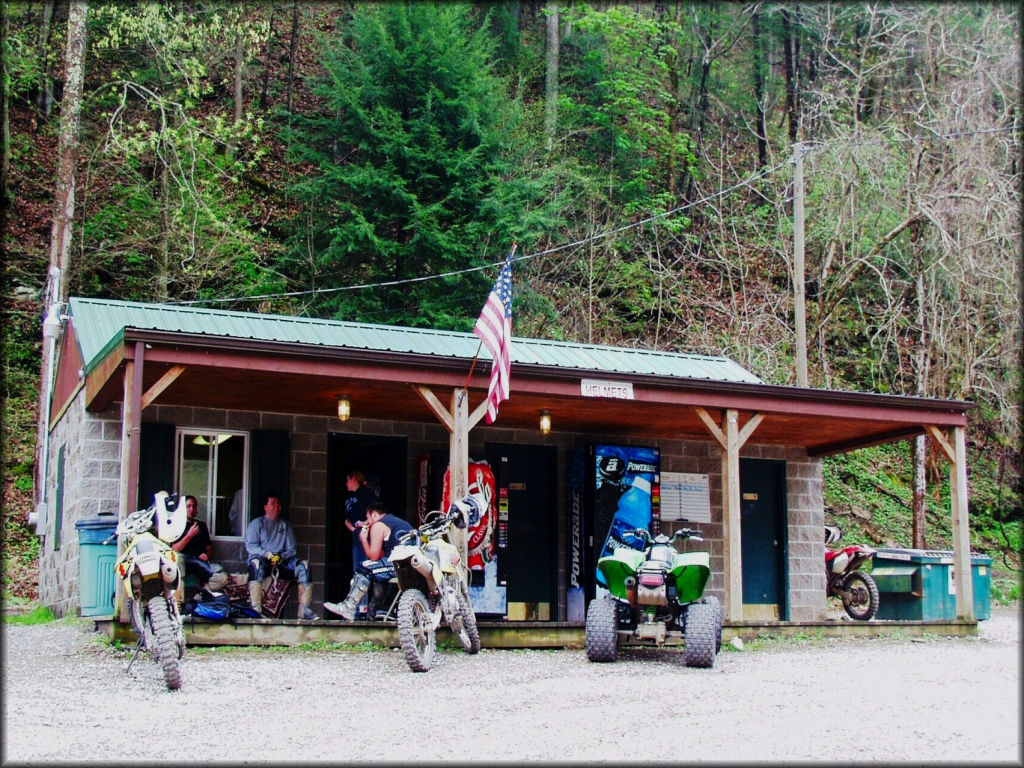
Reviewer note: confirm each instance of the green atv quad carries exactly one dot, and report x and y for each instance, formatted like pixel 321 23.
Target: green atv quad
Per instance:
pixel 656 595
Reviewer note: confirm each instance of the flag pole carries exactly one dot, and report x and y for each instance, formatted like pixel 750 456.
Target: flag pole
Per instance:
pixel 481 343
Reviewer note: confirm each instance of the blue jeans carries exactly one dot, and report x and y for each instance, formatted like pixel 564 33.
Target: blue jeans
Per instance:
pixel 201 568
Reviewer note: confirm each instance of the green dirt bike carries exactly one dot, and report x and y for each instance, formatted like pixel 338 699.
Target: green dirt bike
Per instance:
pixel 656 595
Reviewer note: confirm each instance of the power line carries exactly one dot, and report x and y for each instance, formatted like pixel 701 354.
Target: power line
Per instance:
pixel 525 257
pixel 816 145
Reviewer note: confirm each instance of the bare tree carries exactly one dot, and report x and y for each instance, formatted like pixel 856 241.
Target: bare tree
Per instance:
pixel 64 196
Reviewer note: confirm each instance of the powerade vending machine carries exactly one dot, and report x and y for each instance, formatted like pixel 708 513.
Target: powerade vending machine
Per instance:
pixel 612 489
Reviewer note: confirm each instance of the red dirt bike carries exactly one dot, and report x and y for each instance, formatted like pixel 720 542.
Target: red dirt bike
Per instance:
pixel 855 588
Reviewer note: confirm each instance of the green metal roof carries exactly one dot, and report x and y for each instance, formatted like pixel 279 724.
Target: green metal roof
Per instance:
pixel 100 324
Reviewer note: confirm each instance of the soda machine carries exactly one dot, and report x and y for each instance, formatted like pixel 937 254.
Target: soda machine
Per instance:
pixel 485 542
pixel 612 489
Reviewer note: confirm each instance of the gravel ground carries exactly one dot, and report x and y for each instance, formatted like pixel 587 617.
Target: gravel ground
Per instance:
pixel 919 700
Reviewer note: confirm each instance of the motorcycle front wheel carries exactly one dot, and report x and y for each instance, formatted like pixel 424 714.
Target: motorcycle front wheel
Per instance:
pixel 416 630
pixel 861 601
pixel 469 635
pixel 166 635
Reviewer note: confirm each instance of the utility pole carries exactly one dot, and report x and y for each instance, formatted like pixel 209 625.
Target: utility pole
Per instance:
pixel 799 307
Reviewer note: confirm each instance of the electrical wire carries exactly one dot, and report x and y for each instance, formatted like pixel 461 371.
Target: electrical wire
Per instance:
pixel 525 257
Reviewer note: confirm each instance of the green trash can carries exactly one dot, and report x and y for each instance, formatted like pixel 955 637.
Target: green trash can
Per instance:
pixel 981 578
pixel 918 584
pixel 96 564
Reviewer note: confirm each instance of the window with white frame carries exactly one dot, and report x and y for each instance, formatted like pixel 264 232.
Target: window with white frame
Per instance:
pixel 212 466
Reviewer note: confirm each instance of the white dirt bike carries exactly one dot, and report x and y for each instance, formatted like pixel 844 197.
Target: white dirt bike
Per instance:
pixel 434 584
pixel 149 570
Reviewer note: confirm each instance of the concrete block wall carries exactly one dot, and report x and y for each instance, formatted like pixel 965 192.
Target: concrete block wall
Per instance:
pixel 93 465
pixel 92 484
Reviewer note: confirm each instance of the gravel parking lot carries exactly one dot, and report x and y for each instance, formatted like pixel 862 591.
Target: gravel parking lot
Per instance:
pixel 917 700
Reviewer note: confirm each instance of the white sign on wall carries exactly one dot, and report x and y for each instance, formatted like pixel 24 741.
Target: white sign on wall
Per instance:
pixel 685 497
pixel 620 390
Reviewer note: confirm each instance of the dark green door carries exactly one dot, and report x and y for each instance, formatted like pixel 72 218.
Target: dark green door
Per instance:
pixel 762 529
pixel 528 561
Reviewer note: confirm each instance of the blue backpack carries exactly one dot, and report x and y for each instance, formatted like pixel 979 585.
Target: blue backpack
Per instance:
pixel 217 609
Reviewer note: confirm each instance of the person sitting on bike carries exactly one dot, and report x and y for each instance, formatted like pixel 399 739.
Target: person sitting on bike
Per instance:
pixel 378 534
pixel 269 542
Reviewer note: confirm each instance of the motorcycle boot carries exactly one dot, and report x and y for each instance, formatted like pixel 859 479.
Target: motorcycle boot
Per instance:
pixel 347 609
pixel 305 598
pixel 256 596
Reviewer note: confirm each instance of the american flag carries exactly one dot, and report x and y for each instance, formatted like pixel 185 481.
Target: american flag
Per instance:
pixel 494 327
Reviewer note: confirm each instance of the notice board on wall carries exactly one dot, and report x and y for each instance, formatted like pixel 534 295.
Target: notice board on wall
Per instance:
pixel 685 497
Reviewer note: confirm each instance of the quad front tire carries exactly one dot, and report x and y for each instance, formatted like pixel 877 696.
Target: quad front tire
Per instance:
pixel 602 630
pixel 699 635
pixel 861 602
pixel 416 630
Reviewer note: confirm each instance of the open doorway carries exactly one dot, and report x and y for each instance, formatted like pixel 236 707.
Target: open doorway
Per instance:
pixel 383 461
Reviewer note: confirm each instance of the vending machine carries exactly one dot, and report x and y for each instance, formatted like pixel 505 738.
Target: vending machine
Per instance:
pixel 486 590
pixel 612 489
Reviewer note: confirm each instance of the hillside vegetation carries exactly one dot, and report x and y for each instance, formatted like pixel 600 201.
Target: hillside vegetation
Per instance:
pixel 323 159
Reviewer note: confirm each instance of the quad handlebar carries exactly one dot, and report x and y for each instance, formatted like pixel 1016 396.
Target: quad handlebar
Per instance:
pixel 644 535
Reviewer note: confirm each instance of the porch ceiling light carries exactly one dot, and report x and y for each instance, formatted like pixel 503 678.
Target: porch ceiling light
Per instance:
pixel 344 408
pixel 545 421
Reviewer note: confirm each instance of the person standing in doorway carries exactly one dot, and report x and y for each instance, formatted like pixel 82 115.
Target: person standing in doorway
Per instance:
pixel 360 496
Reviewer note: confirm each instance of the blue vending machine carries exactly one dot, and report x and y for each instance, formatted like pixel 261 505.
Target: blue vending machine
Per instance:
pixel 612 489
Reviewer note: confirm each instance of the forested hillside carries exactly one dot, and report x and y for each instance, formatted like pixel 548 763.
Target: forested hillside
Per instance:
pixel 653 162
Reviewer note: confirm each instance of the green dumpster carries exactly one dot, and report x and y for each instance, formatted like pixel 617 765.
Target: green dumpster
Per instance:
pixel 918 584
pixel 96 564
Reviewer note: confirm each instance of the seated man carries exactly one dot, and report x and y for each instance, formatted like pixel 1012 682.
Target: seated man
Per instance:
pixel 378 534
pixel 194 545
pixel 270 541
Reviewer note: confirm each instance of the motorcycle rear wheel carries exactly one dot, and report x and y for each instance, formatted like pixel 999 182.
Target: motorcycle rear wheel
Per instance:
pixel 416 630
pixel 602 630
pixel 699 635
pixel 861 602
pixel 469 635
pixel 166 636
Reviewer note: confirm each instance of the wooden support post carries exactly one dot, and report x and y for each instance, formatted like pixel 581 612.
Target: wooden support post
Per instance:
pixel 458 422
pixel 961 529
pixel 730 439
pixel 731 517
pixel 131 439
pixel 458 462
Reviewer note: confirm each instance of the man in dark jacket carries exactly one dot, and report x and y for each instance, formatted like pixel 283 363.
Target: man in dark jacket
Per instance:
pixel 194 544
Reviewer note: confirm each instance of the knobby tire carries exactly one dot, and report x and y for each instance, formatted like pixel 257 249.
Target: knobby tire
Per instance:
pixel 699 635
pixel 855 604
pixel 166 637
pixel 415 630
pixel 602 630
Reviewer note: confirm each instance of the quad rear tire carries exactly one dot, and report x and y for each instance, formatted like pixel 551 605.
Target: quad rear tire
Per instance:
pixel 712 600
pixel 165 634
pixel 699 635
pixel 602 630
pixel 862 601
pixel 416 630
